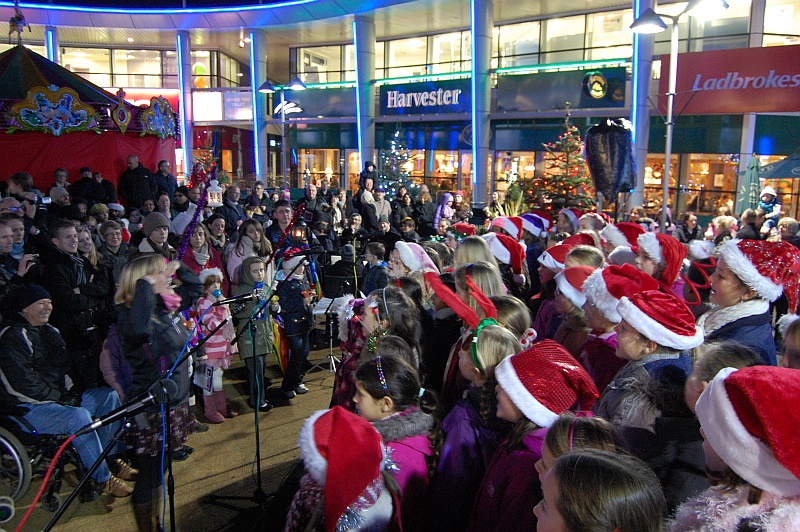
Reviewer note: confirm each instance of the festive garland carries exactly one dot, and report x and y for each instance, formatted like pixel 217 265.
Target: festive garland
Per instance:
pixel 201 205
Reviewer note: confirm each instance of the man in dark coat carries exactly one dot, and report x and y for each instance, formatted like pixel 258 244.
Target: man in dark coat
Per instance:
pixel 137 184
pixel 231 210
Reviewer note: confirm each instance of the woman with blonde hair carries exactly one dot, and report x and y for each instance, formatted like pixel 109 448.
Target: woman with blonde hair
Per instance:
pixel 473 249
pixel 152 341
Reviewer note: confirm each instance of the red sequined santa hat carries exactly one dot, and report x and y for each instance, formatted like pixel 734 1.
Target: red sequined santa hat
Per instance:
pixel 769 268
pixel 622 234
pixel 554 258
pixel 508 251
pixel 748 419
pixel 343 453
pixel 461 230
pixel 546 217
pixel 573 214
pixel 544 381
pixel 662 317
pixel 570 283
pixel 510 224
pixel 666 251
pixel 605 288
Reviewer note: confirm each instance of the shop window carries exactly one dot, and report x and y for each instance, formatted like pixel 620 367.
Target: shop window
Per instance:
pixel 609 29
pixel 653 175
pixel 732 21
pixel 202 71
pixel 137 68
pixel 93 64
pixel 316 165
pixel 718 43
pixel 564 33
pixel 407 57
pixel 380 60
pixel 446 53
pixel 788 189
pixel 782 17
pixel 38 49
pixel 518 44
pixel 320 64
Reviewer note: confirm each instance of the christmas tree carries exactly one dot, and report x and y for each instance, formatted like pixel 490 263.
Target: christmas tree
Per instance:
pixel 395 167
pixel 566 181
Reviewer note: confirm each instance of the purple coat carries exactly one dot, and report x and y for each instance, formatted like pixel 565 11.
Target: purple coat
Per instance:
pixel 510 488
pixel 468 448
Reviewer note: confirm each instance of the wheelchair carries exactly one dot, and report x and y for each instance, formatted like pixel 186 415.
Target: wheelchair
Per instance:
pixel 25 453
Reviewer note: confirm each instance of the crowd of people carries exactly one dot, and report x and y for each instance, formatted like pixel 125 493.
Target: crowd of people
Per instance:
pixel 550 371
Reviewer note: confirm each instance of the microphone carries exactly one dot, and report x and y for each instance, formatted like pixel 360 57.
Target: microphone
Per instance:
pixel 240 298
pixel 162 392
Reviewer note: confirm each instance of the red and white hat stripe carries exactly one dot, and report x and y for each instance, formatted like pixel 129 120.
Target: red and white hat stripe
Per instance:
pixel 655 331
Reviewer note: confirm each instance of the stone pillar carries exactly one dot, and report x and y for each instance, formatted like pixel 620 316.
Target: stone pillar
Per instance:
pixel 481 13
pixel 258 75
pixel 364 41
pixel 184 51
pixel 642 67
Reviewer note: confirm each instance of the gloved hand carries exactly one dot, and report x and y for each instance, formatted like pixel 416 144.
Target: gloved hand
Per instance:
pixel 70 398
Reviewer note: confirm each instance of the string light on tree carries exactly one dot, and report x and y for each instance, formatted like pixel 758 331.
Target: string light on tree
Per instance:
pixel 395 168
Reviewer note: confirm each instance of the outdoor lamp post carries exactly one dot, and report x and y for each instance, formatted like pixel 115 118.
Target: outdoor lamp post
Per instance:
pixel 652 22
pixel 268 88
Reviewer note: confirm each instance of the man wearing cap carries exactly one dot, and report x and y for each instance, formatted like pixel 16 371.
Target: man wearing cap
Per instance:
pixel 165 182
pixel 136 184
pixel 34 369
pixel 181 203
pixel 381 204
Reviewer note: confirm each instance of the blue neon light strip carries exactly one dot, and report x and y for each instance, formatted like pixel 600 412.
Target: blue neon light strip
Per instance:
pixel 361 154
pixel 635 78
pixel 146 11
pixel 474 87
pixel 185 143
pixel 255 93
pixel 49 43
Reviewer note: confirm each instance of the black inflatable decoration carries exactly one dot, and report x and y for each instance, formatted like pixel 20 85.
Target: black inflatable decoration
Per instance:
pixel 609 155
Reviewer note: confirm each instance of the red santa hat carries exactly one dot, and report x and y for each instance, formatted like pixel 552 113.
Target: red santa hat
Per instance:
pixel 208 272
pixel 622 234
pixel 605 288
pixel 665 250
pixel 544 381
pixel 533 224
pixel 570 283
pixel 769 268
pixel 748 419
pixel 291 258
pixel 546 217
pixel 554 258
pixel 580 239
pixel 510 224
pixel 662 317
pixel 573 214
pixel 414 257
pixel 343 453
pixel 461 230
pixel 508 251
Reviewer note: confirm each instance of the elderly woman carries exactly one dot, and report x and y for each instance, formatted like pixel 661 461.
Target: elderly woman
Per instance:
pixel 749 275
pixel 153 337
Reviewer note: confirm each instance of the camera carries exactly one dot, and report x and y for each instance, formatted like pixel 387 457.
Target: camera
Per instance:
pixel 34 258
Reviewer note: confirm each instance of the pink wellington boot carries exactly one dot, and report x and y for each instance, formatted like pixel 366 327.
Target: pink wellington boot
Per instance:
pixel 211 409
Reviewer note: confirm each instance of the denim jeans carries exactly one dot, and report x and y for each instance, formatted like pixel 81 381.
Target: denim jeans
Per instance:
pixel 53 418
pixel 298 353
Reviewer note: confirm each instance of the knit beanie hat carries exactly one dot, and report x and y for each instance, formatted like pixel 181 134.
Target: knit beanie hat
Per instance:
pixel 748 419
pixel 343 453
pixel 622 234
pixel 508 251
pixel 544 381
pixel 605 288
pixel 414 257
pixel 769 268
pixel 665 250
pixel 153 221
pixel 570 283
pixel 663 318
pixel 20 297
pixel 510 224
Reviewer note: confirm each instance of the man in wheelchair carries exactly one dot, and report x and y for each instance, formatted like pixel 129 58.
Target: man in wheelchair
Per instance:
pixel 34 375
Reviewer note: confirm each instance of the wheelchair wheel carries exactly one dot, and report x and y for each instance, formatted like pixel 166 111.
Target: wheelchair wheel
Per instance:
pixel 51 501
pixel 15 467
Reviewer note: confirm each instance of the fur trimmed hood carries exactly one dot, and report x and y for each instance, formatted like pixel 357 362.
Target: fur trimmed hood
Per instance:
pixel 411 422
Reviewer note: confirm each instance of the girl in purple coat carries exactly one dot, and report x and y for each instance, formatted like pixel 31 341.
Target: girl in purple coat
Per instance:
pixel 534 388
pixel 389 395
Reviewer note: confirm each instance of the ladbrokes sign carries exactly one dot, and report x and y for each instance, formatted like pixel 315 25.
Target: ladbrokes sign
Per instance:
pixel 749 80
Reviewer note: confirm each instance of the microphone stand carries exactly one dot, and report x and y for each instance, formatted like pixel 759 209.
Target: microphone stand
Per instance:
pixel 259 496
pixel 329 318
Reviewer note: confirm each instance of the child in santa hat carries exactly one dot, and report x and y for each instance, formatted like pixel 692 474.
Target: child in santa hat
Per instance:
pixel 750 274
pixel 534 388
pixel 751 453
pixel 347 486
pixel 603 290
pixel 661 256
pixel 546 319
pixel 655 335
pixel 218 349
pixel 510 256
pixel 568 220
pixel 573 330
